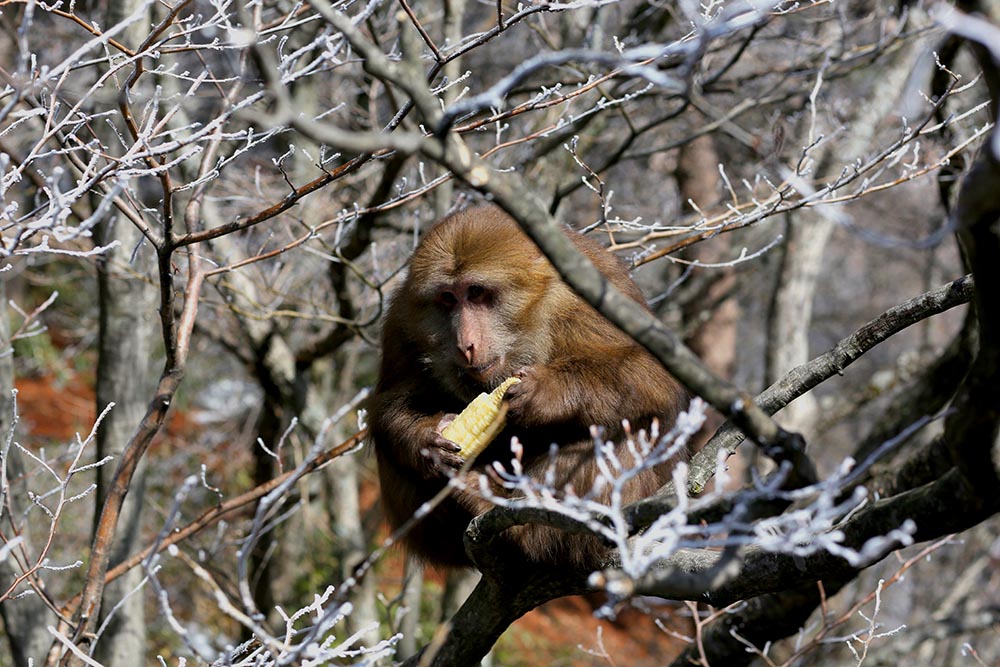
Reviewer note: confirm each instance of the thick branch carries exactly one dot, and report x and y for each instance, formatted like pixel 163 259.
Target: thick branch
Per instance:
pixel 490 610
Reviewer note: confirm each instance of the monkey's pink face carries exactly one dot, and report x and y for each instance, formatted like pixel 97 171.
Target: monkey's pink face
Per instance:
pixel 474 325
pixel 480 346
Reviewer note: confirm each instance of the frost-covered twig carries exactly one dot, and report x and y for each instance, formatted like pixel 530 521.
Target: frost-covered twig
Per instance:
pixel 52 500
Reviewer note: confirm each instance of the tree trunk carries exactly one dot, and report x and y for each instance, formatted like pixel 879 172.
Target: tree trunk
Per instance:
pixel 125 378
pixel 125 342
pixel 790 316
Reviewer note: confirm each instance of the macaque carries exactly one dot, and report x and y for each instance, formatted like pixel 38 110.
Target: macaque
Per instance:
pixel 480 304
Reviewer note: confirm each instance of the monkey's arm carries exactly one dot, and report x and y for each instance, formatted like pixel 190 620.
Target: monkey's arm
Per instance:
pixel 410 437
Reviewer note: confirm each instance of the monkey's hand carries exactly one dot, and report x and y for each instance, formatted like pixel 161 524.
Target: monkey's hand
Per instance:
pixel 550 397
pixel 533 400
pixel 441 454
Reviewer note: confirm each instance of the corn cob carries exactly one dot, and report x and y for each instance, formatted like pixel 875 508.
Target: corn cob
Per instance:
pixel 480 421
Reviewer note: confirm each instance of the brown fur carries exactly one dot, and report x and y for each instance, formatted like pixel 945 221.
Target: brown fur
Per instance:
pixel 576 368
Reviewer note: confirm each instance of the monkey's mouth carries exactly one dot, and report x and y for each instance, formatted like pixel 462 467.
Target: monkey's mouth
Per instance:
pixel 481 372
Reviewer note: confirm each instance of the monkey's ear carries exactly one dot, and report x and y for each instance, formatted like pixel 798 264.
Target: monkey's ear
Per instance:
pixel 480 421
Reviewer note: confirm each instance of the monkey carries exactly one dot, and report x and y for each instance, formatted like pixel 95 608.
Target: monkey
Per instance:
pixel 481 303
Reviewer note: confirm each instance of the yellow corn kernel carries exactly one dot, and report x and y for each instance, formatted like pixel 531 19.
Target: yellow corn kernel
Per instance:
pixel 480 421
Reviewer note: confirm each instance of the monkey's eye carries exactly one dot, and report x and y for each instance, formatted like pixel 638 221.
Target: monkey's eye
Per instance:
pixel 476 294
pixel 447 299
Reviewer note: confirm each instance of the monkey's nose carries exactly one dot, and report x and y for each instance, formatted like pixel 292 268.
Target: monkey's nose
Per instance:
pixel 469 352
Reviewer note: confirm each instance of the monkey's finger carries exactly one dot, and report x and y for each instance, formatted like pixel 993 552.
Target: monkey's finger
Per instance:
pixel 444 462
pixel 444 443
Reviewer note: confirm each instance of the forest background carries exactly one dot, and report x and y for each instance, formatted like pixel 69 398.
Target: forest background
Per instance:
pixel 206 204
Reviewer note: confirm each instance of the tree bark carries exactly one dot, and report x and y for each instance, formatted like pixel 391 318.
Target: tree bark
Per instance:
pixel 790 316
pixel 125 377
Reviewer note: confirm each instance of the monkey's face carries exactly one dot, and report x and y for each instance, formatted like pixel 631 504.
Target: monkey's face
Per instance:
pixel 477 302
pixel 476 335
